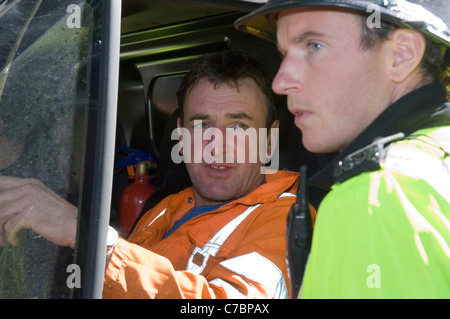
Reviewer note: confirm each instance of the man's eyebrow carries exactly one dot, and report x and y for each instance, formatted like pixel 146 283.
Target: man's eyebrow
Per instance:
pixel 199 116
pixel 303 37
pixel 241 115
pixel 306 35
pixel 203 116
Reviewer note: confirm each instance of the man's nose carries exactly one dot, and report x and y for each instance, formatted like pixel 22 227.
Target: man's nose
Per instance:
pixel 214 142
pixel 288 78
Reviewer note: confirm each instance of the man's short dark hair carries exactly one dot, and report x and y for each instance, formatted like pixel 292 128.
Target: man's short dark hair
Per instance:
pixel 436 59
pixel 228 67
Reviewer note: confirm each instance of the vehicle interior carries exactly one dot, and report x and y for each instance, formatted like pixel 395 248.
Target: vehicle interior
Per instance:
pixel 76 129
pixel 159 41
pixel 84 99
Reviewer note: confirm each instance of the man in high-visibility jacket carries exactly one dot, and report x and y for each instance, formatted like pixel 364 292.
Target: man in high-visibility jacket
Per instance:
pixel 225 236
pixel 364 78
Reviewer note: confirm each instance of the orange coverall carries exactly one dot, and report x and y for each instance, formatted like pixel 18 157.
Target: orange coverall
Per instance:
pixel 236 251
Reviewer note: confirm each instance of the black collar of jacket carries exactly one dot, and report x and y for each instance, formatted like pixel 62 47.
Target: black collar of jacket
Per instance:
pixel 422 108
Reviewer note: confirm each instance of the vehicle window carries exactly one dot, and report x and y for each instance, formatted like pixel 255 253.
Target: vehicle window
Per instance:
pixel 45 54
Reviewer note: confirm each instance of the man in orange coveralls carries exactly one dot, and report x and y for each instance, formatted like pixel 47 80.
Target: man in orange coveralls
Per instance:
pixel 222 238
pixel 225 236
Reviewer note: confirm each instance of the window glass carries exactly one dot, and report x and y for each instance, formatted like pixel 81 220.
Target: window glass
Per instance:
pixel 45 54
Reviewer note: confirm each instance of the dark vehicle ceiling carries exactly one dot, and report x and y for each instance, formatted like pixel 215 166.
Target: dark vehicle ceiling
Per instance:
pixel 139 15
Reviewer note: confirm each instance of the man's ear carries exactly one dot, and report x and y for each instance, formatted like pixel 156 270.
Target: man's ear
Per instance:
pixel 407 49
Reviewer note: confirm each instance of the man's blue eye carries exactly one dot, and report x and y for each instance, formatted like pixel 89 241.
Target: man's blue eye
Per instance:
pixel 315 46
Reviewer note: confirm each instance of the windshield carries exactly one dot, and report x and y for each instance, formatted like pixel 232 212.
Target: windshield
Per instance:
pixel 45 64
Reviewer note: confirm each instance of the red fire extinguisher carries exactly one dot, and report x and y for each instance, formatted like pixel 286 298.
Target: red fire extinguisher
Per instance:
pixel 134 197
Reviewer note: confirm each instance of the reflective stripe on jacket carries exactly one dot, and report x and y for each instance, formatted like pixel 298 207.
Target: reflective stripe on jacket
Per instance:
pixel 236 251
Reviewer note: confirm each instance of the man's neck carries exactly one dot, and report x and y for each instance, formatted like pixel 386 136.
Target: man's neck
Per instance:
pixel 411 83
